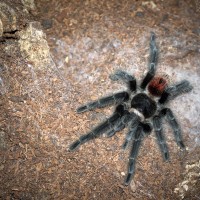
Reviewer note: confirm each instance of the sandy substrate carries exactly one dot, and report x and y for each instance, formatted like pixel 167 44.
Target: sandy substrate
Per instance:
pixel 44 78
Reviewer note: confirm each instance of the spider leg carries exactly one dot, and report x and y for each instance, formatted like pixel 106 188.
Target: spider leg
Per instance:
pixel 157 124
pixel 129 136
pixel 118 127
pixel 122 123
pixel 100 129
pixel 153 61
pixel 175 90
pixel 147 128
pixel 105 101
pixel 127 78
pixel 138 136
pixel 174 125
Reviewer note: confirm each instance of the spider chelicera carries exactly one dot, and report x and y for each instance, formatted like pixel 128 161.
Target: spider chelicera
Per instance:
pixel 138 109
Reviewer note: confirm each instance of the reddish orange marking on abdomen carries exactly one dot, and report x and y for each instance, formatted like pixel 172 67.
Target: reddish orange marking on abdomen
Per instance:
pixel 157 85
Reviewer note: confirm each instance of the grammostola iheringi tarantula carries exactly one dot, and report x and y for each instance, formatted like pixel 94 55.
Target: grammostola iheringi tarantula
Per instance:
pixel 141 108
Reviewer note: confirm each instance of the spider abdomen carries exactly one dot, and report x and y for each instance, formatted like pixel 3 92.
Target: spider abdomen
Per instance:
pixel 144 104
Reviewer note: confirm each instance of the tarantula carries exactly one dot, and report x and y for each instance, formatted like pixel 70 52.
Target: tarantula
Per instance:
pixel 138 109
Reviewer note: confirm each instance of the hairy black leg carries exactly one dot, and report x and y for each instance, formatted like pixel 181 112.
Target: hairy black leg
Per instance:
pixel 138 136
pixel 122 123
pixel 127 78
pixel 174 125
pixel 120 126
pixel 147 127
pixel 132 129
pixel 136 132
pixel 105 101
pixel 153 61
pixel 175 90
pixel 100 129
pixel 157 124
pixel 165 96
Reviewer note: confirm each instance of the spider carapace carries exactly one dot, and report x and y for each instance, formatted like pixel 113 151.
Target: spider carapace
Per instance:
pixel 140 108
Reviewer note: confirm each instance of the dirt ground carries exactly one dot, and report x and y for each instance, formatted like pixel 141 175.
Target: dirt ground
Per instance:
pixel 61 58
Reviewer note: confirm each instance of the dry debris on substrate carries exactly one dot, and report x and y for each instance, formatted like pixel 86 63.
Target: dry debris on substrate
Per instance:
pixel 89 40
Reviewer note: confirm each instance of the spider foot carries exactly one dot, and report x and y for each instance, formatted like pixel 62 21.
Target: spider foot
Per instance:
pixel 138 137
pixel 181 145
pixel 166 156
pixel 130 173
pixel 74 145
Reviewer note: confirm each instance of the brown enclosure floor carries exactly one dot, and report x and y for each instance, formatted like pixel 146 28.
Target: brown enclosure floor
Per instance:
pixel 89 40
